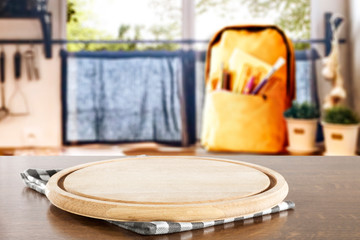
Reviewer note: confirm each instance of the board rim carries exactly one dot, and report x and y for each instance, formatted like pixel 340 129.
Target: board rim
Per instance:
pixel 191 212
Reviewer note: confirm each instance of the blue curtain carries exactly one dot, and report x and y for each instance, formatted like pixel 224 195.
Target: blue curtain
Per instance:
pixel 111 97
pixel 306 82
pixel 306 85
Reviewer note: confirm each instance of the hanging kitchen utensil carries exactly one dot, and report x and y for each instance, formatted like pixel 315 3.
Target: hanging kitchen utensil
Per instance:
pixel 17 63
pixel 36 62
pixel 18 97
pixel 29 60
pixel 31 63
pixel 4 111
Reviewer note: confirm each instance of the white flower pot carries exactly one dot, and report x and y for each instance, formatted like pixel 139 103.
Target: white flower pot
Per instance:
pixel 302 134
pixel 340 139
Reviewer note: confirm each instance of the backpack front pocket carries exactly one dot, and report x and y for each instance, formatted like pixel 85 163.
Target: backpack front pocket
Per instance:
pixel 243 123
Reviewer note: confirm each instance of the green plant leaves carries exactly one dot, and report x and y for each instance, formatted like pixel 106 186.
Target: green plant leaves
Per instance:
pixel 341 115
pixel 302 111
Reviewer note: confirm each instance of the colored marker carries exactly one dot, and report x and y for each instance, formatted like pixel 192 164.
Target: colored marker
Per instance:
pixel 279 63
pixel 249 86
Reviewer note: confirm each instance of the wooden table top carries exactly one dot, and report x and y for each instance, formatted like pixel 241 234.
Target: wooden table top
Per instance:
pixel 326 191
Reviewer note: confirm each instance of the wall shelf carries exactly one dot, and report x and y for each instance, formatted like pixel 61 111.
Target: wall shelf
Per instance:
pixel 45 19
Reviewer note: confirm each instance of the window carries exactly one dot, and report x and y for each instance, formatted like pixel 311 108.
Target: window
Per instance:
pixel 291 15
pixel 172 20
pixel 123 20
pixel 162 19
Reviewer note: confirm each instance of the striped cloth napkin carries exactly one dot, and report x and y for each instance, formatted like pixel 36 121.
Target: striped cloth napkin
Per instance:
pixel 37 178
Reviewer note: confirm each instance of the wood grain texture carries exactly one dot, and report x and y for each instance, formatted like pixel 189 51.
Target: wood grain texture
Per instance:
pixel 166 180
pixel 326 191
pixel 166 188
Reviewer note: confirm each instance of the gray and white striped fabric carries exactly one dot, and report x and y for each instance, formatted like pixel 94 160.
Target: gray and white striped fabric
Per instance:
pixel 37 178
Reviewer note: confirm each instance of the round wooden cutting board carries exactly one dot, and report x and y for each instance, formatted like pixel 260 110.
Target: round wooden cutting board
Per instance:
pixel 182 189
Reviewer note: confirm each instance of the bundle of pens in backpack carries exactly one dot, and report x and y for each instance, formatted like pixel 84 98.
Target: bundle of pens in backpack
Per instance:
pixel 245 74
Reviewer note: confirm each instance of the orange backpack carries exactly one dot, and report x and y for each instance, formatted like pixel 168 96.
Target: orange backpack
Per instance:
pixel 248 123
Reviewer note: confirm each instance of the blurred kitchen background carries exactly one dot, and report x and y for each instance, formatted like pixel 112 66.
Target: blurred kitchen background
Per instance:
pixel 101 64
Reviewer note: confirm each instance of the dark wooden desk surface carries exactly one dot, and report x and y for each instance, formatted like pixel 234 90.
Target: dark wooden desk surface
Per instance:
pixel 326 191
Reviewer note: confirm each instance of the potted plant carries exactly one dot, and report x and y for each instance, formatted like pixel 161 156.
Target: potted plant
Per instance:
pixel 301 120
pixel 341 126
